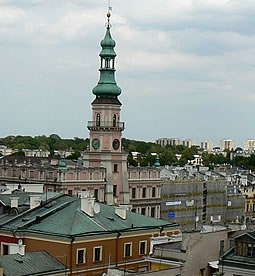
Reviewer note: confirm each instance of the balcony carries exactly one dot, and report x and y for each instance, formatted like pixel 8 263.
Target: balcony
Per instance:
pixel 94 125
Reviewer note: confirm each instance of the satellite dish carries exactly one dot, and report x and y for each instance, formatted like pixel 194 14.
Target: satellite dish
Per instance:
pixel 20 242
pixel 96 208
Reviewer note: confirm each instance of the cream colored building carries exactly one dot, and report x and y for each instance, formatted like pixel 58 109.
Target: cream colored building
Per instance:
pixel 206 145
pixel 227 144
pixel 169 141
pixel 188 143
pixel 249 144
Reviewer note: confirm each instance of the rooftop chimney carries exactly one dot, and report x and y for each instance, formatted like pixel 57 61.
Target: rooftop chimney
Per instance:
pixel 35 200
pixel 17 248
pixel 121 211
pixel 14 202
pixel 87 203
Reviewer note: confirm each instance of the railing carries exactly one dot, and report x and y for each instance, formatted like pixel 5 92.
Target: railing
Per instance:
pixel 110 124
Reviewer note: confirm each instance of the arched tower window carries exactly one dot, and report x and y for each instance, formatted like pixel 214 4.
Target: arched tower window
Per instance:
pixel 114 120
pixel 98 119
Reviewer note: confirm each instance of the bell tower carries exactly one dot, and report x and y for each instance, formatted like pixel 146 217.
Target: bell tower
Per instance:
pixel 106 127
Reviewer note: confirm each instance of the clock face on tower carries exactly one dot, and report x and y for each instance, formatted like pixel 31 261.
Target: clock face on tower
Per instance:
pixel 96 144
pixel 116 144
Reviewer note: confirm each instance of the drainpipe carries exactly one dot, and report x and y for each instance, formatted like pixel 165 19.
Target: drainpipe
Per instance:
pixel 117 248
pixel 71 256
pixel 14 235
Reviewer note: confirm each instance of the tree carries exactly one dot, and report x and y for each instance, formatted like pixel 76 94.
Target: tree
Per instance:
pixel 187 155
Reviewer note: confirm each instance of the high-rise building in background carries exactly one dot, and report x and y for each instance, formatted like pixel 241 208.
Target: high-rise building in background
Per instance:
pixel 249 144
pixel 206 145
pixel 227 144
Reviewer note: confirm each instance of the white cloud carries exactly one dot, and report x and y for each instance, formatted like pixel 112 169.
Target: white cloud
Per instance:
pixel 11 16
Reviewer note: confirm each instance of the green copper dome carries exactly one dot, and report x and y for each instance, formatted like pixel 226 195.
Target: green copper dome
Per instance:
pixel 107 45
pixel 107 86
pixel 157 163
pixel 62 163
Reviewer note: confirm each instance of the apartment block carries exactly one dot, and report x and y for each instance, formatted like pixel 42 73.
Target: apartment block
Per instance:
pixel 206 145
pixel 249 144
pixel 227 144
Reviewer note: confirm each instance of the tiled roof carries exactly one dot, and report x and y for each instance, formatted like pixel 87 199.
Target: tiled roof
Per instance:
pixel 63 217
pixel 32 263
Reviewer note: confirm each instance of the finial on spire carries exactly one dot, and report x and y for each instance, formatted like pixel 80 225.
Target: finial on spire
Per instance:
pixel 109 14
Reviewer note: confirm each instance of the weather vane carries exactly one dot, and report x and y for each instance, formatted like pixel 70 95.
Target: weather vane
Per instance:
pixel 109 13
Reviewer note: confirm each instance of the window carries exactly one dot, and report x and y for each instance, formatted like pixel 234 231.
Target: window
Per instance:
pixel 115 190
pixel 114 120
pixel 142 268
pixel 144 192
pixel 41 174
pixel 81 256
pixel 4 248
pixel 249 252
pixel 133 192
pixel 142 247
pixel 128 249
pixel 153 212
pixel 143 211
pixel 97 254
pixel 115 168
pixel 153 192
pixel 51 175
pixel 98 119
pixel 32 174
pixel 96 194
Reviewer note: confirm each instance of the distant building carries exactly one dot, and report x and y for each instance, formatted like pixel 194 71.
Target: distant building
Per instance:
pixel 195 202
pixel 227 144
pixel 7 151
pixel 175 142
pixel 249 145
pixel 36 153
pixel 206 145
pixel 188 143
pixel 169 142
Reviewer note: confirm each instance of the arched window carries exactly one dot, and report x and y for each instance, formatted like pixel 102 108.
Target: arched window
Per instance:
pixel 98 120
pixel 114 120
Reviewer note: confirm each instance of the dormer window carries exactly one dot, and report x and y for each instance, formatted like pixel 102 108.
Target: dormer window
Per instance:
pixel 245 249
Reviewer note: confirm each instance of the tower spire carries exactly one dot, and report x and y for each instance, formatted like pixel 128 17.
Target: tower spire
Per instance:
pixel 107 86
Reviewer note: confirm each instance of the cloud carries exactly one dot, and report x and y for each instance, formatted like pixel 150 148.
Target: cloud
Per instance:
pixel 11 16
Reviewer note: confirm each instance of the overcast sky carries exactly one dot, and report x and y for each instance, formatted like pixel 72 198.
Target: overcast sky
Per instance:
pixel 186 67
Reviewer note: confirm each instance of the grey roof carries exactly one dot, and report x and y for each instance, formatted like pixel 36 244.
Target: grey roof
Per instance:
pixel 32 263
